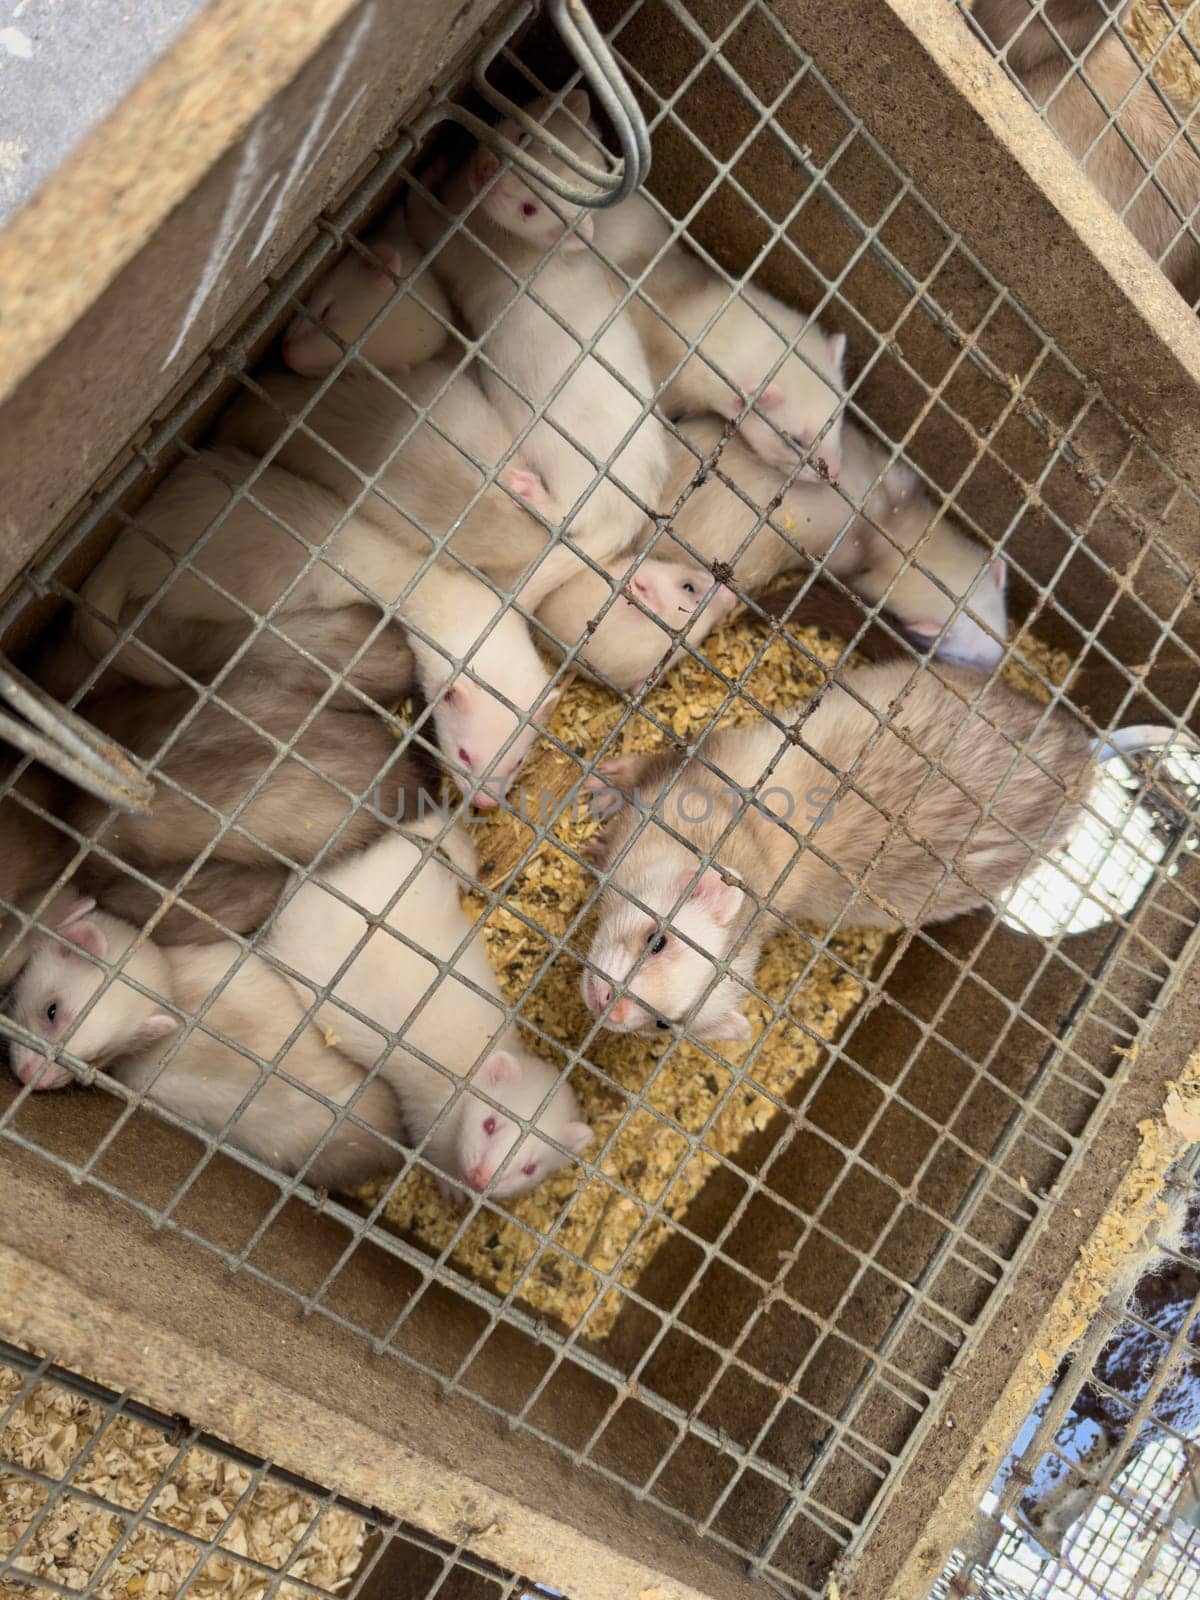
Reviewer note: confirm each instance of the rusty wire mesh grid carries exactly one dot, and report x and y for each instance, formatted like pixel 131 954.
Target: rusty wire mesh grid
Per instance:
pixel 102 1494
pixel 1118 84
pixel 1099 1498
pixel 773 1423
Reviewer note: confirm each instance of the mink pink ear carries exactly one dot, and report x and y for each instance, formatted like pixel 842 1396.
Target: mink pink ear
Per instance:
pixel 75 909
pixel 456 693
pixel 998 573
pixel 387 255
pixel 721 900
pixel 579 104
pixel 576 1136
pixel 499 1069
pixel 483 166
pixel 729 1025
pixel 85 934
pixel 837 351
pixel 156 1026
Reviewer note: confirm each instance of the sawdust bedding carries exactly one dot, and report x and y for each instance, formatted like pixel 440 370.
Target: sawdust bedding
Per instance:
pixel 125 1464
pixel 695 1108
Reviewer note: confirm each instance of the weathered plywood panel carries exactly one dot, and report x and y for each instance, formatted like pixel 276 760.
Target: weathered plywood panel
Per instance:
pixel 127 326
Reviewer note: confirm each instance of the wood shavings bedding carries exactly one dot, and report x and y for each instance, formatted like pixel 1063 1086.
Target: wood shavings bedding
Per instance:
pixel 48 1432
pixel 696 1108
pixel 1148 24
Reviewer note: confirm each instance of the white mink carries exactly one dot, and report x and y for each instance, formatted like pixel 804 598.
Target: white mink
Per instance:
pixel 455 1019
pixel 480 732
pixel 353 292
pixel 425 471
pixel 948 590
pixel 528 351
pixel 907 798
pixel 753 333
pixel 899 552
pixel 626 645
pixel 127 1033
pixel 483 714
pixel 633 235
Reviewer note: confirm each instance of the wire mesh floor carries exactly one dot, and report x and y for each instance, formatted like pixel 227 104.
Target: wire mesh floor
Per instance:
pixel 743 1304
pixel 102 1495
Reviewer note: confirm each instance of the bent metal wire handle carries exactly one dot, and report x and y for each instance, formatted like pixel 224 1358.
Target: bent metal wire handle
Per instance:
pixel 609 184
pixel 70 746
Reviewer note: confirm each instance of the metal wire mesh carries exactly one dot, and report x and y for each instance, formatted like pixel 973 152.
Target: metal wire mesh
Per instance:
pixel 1118 84
pixel 767 1380
pixel 102 1494
pixel 1098 1497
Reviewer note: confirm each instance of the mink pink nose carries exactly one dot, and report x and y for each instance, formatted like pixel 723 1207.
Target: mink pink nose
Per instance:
pixel 27 1064
pixel 621 1012
pixel 597 994
pixel 478 1177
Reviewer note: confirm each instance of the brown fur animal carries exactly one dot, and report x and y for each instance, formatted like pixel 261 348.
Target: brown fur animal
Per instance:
pixel 228 745
pixel 846 820
pixel 1080 117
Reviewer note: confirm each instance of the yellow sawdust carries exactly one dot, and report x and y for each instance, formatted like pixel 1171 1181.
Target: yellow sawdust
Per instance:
pixel 650 1172
pixel 48 1432
pixel 1148 25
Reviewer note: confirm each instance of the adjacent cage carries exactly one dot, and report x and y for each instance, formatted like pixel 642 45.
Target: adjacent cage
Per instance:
pixel 1098 1494
pixel 106 1495
pixel 1117 84
pixel 750 1304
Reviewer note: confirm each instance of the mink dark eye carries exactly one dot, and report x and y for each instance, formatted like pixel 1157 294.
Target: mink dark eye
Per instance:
pixel 528 209
pixel 52 1011
pixel 665 1026
pixel 489 1126
pixel 529 1168
pixel 657 944
pixel 689 588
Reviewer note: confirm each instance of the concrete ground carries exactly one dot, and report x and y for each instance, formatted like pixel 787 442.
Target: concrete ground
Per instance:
pixel 64 65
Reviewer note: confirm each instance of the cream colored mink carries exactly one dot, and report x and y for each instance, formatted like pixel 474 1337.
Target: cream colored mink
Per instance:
pixel 751 349
pixel 640 630
pixel 127 1033
pixel 906 845
pixel 595 430
pixel 945 588
pixel 378 942
pixel 354 291
pixel 480 709
pixel 330 789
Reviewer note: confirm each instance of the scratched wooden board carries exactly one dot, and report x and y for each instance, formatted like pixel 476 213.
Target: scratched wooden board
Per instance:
pixel 549 1248
pixel 298 136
